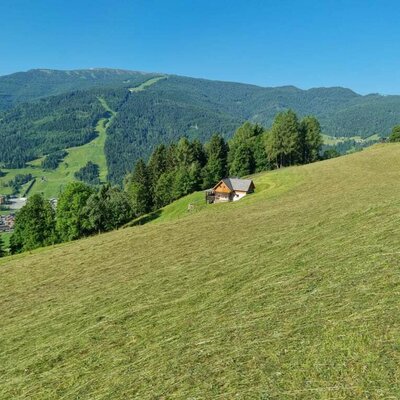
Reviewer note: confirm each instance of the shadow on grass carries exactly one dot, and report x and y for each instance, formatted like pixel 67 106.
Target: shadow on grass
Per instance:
pixel 144 219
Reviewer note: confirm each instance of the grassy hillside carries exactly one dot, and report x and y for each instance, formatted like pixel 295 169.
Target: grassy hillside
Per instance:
pixel 290 293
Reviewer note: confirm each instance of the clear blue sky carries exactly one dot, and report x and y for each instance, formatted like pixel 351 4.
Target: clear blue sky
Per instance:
pixel 270 43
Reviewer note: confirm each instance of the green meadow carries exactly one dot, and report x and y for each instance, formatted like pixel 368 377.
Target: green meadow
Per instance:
pixel 289 293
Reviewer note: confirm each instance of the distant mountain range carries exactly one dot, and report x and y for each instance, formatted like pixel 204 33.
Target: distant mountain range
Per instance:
pixel 45 110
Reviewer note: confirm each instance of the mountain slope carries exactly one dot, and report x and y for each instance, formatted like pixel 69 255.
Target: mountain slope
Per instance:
pixel 38 83
pixel 159 108
pixel 289 293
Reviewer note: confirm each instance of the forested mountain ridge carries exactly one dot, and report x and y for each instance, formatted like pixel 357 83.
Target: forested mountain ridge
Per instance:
pixel 60 109
pixel 37 83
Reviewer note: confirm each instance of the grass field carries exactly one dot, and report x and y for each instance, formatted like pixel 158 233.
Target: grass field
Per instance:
pixel 51 183
pixel 290 293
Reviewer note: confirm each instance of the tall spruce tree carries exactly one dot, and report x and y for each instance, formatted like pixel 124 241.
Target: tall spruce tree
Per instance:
pixel 242 162
pixel 185 154
pixel 163 193
pixel 217 157
pixel 157 164
pixel 283 143
pixel 247 147
pixel 310 139
pixel 138 187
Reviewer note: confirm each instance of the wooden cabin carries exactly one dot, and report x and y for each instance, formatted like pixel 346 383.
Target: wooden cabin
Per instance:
pixel 230 189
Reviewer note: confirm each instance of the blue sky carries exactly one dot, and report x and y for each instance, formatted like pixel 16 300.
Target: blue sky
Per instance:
pixel 270 43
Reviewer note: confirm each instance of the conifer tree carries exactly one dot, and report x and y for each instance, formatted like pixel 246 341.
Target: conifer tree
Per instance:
pixel 283 143
pixel 157 164
pixel 163 190
pixel 310 139
pixel 138 187
pixel 184 152
pixel 242 161
pixel 251 138
pixel 216 166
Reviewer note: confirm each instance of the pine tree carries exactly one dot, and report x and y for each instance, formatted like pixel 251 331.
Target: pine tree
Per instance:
pixel 184 152
pixel 242 161
pixel 138 187
pixel 171 157
pixel 216 166
pixel 283 143
pixel 157 163
pixel 259 153
pixel 163 190
pixel 251 137
pixel 182 183
pixel 199 154
pixel 310 139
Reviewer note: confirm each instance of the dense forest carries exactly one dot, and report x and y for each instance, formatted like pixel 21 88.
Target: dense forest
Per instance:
pixel 163 112
pixel 49 125
pixel 32 85
pixel 90 174
pixel 52 160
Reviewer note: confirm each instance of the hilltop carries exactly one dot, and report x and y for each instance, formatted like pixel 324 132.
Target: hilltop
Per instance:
pixel 292 292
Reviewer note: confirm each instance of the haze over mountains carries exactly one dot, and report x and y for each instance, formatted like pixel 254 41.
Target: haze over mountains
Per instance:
pixel 42 111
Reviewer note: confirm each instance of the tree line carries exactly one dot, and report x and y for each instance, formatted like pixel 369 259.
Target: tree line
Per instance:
pixel 171 172
pixel 82 210
pixel 178 169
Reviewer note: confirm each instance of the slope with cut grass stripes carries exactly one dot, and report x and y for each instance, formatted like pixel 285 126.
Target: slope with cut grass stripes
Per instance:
pixel 290 293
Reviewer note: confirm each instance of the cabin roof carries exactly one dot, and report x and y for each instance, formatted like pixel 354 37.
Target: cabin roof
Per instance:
pixel 236 184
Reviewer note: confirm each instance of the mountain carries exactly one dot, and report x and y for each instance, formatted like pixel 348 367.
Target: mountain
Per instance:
pixel 51 110
pixel 38 83
pixel 292 292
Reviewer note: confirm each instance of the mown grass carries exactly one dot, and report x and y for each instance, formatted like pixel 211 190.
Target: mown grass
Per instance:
pixel 52 182
pixel 290 293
